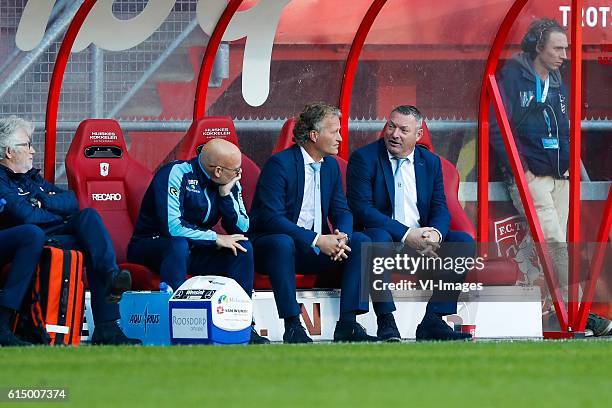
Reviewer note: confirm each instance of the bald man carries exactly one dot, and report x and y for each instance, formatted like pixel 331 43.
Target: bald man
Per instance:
pixel 173 234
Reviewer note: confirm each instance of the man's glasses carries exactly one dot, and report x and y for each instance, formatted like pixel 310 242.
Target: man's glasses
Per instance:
pixel 236 171
pixel 25 144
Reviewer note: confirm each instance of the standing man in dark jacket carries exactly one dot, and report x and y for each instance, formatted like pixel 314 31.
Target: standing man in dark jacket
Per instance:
pixel 32 200
pixel 536 102
pixel 537 105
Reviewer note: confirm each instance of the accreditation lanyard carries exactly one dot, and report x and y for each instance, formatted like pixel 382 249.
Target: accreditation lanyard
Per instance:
pixel 541 97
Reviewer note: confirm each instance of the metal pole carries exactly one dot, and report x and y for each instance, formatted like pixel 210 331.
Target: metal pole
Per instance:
pixel 55 86
pixel 152 68
pixel 52 34
pixel 482 224
pixel 573 227
pixel 275 125
pixel 199 105
pixel 97 82
pixel 350 70
pixel 59 7
pixel 527 200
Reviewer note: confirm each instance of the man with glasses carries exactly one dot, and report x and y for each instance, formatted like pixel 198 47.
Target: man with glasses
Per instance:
pixel 30 199
pixel 185 200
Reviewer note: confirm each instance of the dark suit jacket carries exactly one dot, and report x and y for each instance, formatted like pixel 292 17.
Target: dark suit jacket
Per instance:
pixel 278 198
pixel 371 190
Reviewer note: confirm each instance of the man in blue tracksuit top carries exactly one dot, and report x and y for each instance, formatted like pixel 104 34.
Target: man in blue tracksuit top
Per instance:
pixel 173 234
pixel 30 199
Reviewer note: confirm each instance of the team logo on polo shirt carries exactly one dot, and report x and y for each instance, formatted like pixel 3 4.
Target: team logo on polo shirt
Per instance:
pixel 173 191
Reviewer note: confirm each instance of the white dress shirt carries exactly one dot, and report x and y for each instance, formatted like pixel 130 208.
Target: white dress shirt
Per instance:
pixel 307 211
pixel 411 212
pixel 411 217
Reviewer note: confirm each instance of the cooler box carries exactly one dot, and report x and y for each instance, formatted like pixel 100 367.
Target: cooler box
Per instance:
pixel 210 310
pixel 144 316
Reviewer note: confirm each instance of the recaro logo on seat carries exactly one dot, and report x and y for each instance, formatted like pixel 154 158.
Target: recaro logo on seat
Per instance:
pixel 106 197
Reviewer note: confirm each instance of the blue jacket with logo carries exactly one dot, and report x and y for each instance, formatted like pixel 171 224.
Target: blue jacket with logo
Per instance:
pixel 22 191
pixel 518 89
pixel 182 201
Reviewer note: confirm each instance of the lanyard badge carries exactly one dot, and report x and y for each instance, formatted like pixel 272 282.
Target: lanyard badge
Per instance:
pixel 547 143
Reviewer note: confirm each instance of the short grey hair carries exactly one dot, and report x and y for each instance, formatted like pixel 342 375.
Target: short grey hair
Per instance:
pixel 8 130
pixel 311 119
pixel 410 110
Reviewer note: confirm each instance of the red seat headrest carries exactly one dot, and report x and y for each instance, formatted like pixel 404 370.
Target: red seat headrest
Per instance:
pixel 95 132
pixel 98 152
pixel 200 132
pixel 285 138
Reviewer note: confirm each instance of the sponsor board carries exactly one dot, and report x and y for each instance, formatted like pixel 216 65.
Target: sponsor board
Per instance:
pixel 189 323
pixel 506 319
pixel 515 313
pixel 144 315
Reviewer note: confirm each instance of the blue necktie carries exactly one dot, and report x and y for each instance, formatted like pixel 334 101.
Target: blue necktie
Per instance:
pixel 318 221
pixel 398 201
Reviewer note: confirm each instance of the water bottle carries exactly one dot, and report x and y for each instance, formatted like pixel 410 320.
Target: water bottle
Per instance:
pixel 165 288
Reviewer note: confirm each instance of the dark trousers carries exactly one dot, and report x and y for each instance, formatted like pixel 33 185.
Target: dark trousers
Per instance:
pixel 86 232
pixel 280 257
pixel 22 247
pixel 174 258
pixel 445 302
pixel 385 305
pixel 456 244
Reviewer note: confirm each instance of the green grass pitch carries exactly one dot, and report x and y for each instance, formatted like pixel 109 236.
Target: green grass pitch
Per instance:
pixel 480 374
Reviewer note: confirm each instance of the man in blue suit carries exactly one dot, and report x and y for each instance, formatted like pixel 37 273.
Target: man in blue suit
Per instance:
pixel 397 186
pixel 298 190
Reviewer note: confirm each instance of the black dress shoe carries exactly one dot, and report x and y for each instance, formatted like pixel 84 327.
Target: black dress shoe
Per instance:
pixel 256 338
pixel 352 332
pixel 296 334
pixel 433 328
pixel 387 329
pixel 110 333
pixel 120 282
pixel 8 338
